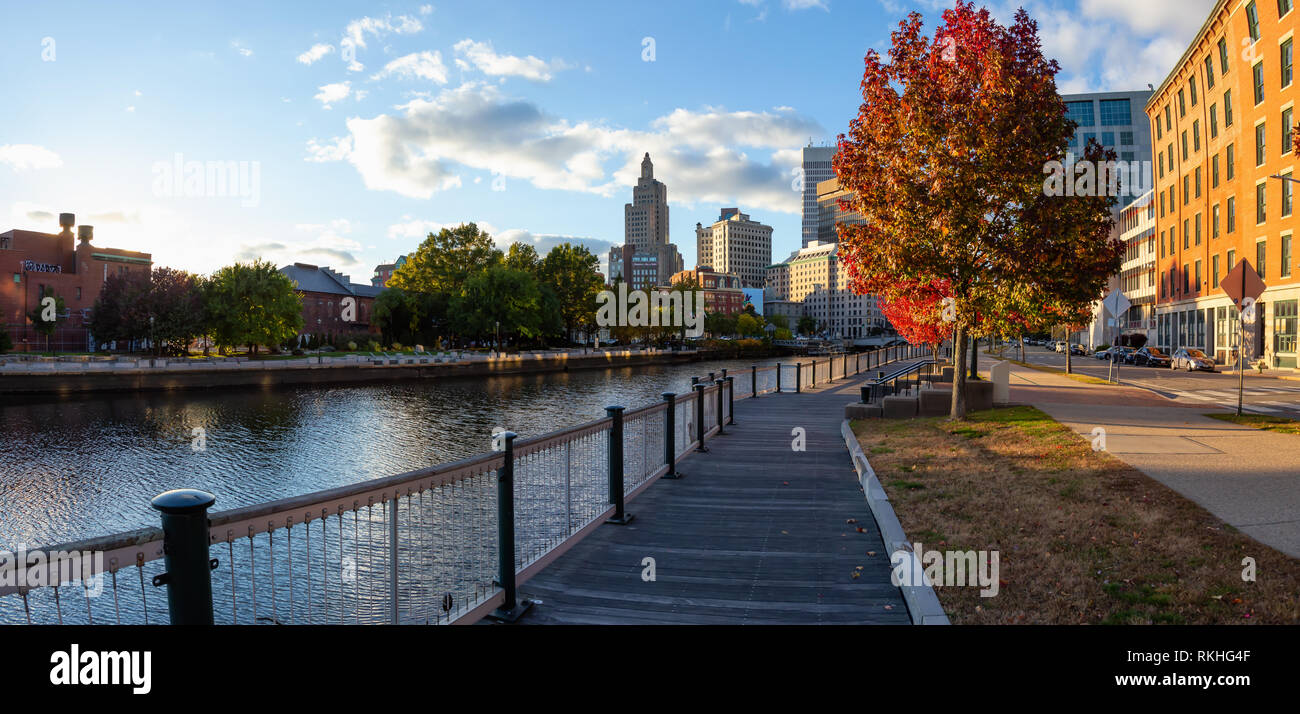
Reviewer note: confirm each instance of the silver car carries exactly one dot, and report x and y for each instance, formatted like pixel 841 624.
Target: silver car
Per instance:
pixel 1191 359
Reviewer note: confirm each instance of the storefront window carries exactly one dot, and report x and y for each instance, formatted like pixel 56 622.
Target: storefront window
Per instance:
pixel 1284 333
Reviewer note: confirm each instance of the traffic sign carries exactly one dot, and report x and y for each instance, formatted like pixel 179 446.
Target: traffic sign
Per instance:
pixel 1117 304
pixel 1242 282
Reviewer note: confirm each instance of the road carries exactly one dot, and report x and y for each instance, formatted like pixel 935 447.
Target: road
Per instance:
pixel 1263 394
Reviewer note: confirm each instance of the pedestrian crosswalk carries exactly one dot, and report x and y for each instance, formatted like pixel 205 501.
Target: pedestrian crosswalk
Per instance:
pixel 1228 399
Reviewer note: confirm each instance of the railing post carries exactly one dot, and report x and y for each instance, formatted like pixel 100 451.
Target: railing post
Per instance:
pixel 511 607
pixel 393 589
pixel 670 436
pixel 857 363
pixel 798 377
pixel 813 374
pixel 778 377
pixel 699 417
pixel 731 399
pixel 753 381
pixel 616 466
pixel 865 391
pixel 722 385
pixel 185 555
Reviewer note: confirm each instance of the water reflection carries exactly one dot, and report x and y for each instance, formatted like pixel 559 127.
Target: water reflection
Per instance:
pixel 86 466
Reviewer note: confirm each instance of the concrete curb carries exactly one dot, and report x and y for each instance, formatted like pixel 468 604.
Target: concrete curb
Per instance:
pixel 922 602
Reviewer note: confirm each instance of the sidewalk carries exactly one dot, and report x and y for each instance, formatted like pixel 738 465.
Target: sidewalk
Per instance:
pixel 1248 477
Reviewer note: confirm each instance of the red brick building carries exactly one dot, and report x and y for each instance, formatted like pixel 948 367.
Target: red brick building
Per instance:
pixel 31 261
pixel 323 292
pixel 722 291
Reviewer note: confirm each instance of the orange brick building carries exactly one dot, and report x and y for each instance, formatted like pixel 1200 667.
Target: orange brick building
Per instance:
pixel 1221 134
pixel 31 261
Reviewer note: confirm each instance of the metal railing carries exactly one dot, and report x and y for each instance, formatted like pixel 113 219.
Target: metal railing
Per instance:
pixel 422 547
pixel 898 380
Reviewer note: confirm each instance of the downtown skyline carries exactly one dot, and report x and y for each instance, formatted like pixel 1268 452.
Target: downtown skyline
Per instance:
pixel 372 125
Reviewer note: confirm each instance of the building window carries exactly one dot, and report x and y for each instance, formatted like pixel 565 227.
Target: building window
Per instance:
pixel 1286 194
pixel 1214 272
pixel 1214 121
pixel 1227 108
pixel 1198 229
pixel 1126 138
pixel 1261 252
pixel 1286 256
pixel 1261 197
pixel 1214 171
pixel 1232 213
pixel 1252 21
pixel 1209 72
pixel 1184 145
pixel 1115 112
pixel 1284 329
pixel 1191 88
pixel 1186 190
pixel 1169 125
pixel 1261 136
pixel 1080 113
pixel 1258 69
pixel 1230 160
pixel 1232 259
pixel 1182 104
pixel 1286 63
pixel 1214 221
pixel 1286 131
pixel 18 277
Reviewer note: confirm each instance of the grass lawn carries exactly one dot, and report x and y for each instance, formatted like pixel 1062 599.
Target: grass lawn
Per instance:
pixel 1082 537
pixel 1280 424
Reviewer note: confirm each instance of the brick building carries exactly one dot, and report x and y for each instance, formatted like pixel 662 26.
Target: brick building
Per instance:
pixel 323 292
pixel 31 261
pixel 722 291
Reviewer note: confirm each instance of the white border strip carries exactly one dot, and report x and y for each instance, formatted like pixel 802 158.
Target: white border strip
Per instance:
pixel 922 602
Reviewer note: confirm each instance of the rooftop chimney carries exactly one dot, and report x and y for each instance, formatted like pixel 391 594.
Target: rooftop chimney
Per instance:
pixel 85 234
pixel 67 221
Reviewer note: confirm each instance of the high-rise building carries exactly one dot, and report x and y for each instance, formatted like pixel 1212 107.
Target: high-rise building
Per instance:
pixel 645 223
pixel 1114 120
pixel 1136 229
pixel 639 270
pixel 829 213
pixel 1223 122
pixel 816 278
pixel 816 168
pixel 735 244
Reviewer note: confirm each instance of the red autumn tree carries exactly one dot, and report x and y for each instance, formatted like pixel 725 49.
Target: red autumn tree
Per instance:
pixel 916 311
pixel 945 163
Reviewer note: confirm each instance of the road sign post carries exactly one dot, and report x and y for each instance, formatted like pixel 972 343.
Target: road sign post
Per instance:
pixel 1117 304
pixel 1244 286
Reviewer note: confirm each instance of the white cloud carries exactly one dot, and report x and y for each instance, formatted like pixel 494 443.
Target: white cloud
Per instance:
pixel 131 109
pixel 704 156
pixel 426 9
pixel 239 47
pixel 331 93
pixel 805 4
pixel 413 228
pixel 480 55
pixel 421 65
pixel 316 52
pixel 378 27
pixel 29 156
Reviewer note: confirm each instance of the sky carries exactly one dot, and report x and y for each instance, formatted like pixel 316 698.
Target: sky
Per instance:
pixel 341 133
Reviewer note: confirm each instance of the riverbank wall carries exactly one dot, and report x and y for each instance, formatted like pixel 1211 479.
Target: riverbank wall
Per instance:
pixel 147 375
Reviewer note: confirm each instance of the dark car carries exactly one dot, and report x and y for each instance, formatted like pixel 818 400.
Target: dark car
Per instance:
pixel 1191 359
pixel 1151 357
pixel 1118 353
pixel 1078 350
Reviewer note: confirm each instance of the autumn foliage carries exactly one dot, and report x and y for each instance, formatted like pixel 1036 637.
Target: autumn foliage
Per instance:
pixel 945 164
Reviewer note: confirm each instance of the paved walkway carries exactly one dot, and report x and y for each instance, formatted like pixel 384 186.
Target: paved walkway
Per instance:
pixel 756 533
pixel 1248 477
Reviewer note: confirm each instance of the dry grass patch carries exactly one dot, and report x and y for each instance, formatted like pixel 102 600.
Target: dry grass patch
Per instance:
pixel 1082 537
pixel 1280 424
pixel 1086 379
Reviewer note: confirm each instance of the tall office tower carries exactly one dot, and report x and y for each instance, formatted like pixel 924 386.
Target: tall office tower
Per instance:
pixel 1116 121
pixel 816 168
pixel 735 244
pixel 645 223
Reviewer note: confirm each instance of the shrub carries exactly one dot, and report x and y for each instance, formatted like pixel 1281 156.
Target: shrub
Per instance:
pixel 372 346
pixel 352 346
pixel 397 346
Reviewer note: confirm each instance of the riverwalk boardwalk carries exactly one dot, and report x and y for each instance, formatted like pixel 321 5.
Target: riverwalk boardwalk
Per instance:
pixel 757 532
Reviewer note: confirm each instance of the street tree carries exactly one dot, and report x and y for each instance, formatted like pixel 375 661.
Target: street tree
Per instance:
pixel 945 164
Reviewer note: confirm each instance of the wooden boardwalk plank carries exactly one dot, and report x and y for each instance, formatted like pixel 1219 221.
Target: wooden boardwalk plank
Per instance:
pixel 756 533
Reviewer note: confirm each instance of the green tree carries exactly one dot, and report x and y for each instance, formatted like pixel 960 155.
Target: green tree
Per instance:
pixel 522 256
pixel 175 307
pixel 252 304
pixel 445 260
pixel 781 321
pixel 121 313
pixel 570 271
pixel 46 318
pixel 499 303
pixel 806 325
pixel 6 342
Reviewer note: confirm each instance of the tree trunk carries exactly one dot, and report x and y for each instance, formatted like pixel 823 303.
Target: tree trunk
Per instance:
pixel 1069 369
pixel 958 410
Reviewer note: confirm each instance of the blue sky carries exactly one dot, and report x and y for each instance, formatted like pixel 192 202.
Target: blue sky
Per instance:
pixel 368 124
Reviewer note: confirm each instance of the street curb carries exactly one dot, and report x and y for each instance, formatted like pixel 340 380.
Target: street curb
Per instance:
pixel 922 602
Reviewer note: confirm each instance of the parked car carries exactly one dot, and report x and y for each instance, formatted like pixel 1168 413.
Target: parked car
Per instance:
pixel 1078 350
pixel 1150 357
pixel 1117 353
pixel 1060 346
pixel 1191 359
